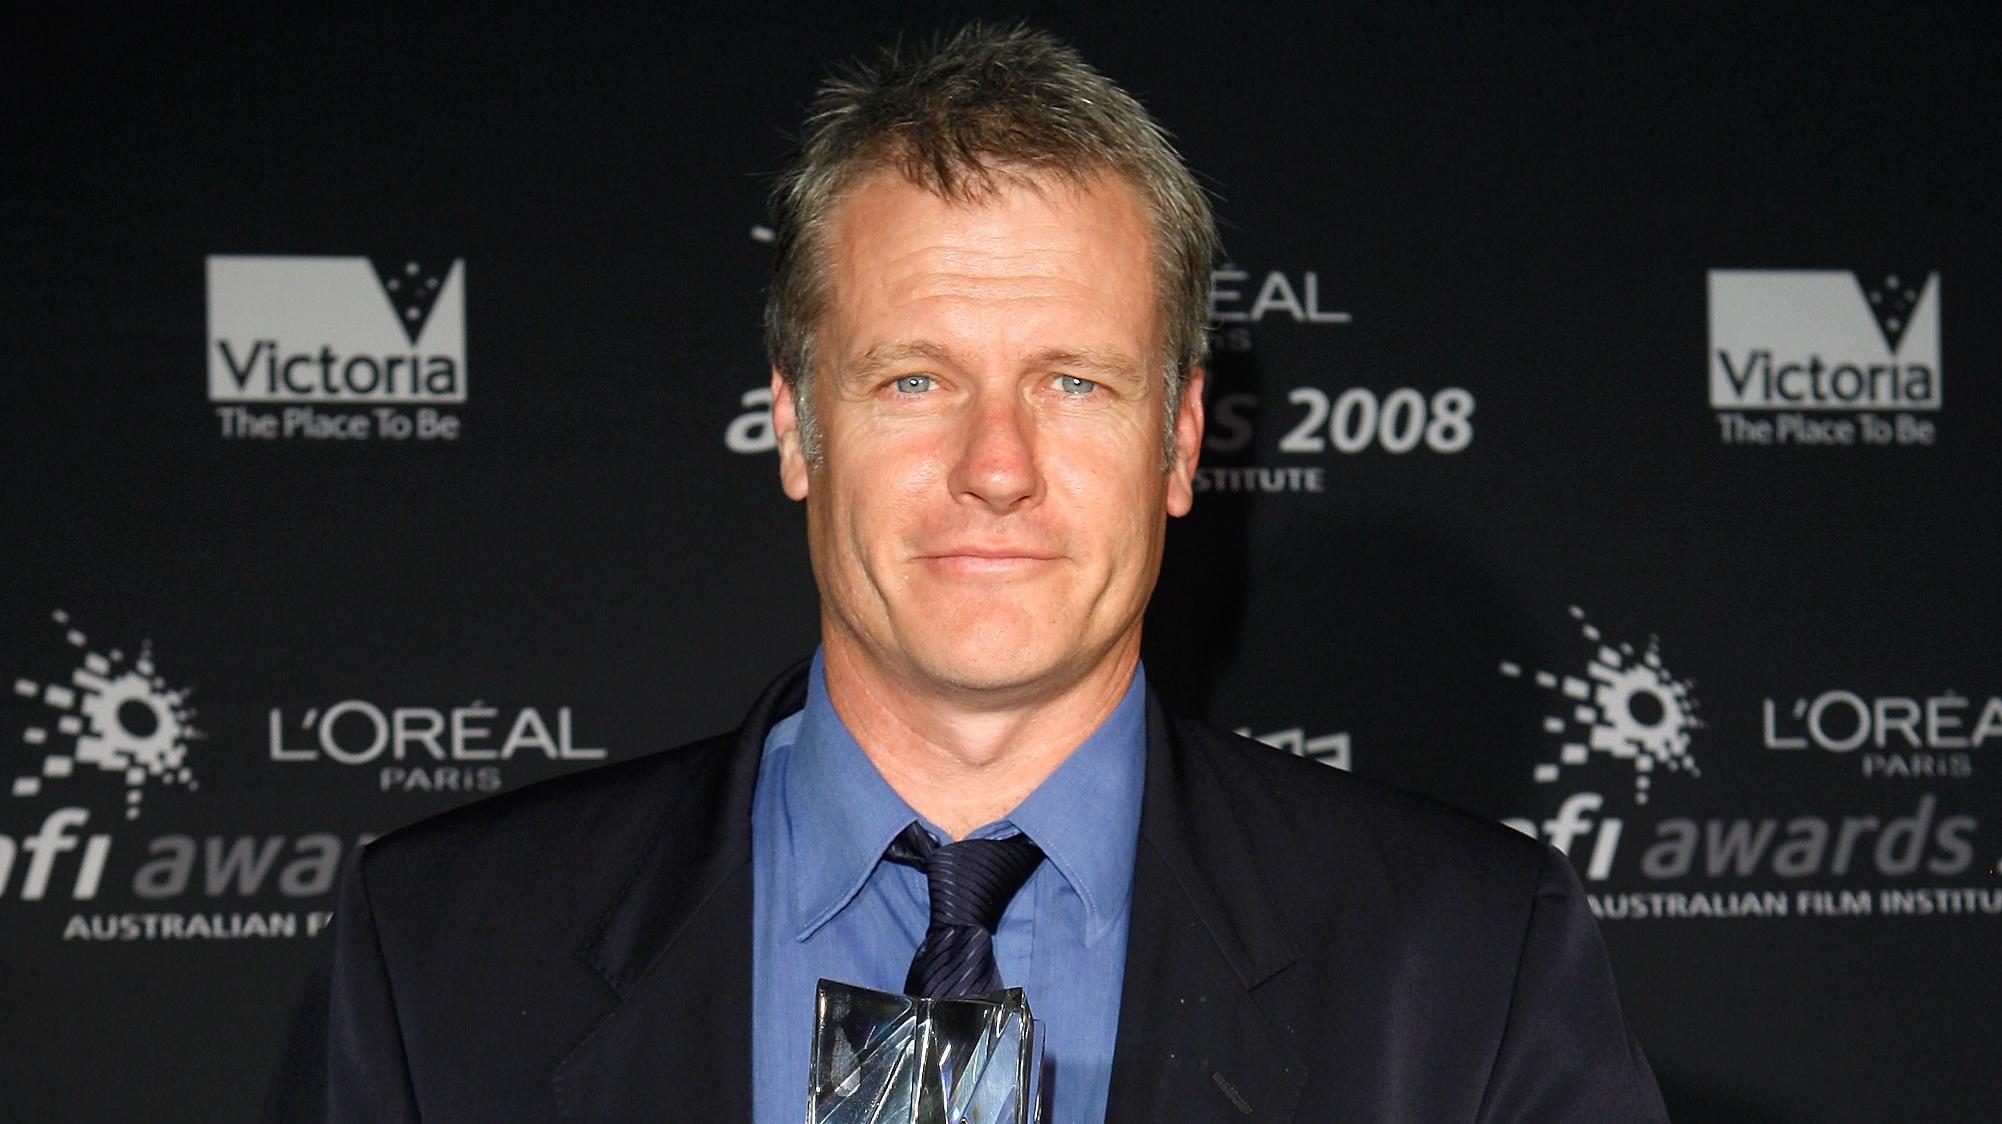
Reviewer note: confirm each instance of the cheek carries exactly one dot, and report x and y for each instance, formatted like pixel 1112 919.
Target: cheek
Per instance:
pixel 1113 495
pixel 881 489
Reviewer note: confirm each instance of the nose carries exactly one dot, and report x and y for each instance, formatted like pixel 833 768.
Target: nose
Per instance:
pixel 997 466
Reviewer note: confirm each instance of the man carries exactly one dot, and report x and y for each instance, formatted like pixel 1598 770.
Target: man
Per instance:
pixel 986 326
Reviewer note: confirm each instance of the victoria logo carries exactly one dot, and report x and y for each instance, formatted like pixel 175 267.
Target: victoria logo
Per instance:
pixel 112 714
pixel 1824 340
pixel 336 330
pixel 1623 704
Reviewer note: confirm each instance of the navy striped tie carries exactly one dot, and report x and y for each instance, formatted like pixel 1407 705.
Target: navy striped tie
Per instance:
pixel 971 883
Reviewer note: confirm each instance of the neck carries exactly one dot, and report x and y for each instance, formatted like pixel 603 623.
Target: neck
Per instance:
pixel 966 758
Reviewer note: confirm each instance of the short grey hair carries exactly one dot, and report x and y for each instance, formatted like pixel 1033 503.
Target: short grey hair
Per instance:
pixel 963 117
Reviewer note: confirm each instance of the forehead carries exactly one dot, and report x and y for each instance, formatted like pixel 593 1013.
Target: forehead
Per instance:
pixel 1046 247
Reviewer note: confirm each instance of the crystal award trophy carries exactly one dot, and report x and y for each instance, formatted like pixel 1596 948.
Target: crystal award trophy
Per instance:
pixel 884 1058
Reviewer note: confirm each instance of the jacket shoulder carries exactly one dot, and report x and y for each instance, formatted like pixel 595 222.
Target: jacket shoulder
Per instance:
pixel 568 839
pixel 1450 958
pixel 1309 817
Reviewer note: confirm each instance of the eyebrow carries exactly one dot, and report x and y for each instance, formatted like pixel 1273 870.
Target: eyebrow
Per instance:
pixel 1095 360
pixel 878 359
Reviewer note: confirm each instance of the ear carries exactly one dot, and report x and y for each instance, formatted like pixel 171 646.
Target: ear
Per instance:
pixel 785 427
pixel 1188 445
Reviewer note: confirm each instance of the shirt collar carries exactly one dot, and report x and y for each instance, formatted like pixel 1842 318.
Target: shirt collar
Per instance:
pixel 842 814
pixel 1086 815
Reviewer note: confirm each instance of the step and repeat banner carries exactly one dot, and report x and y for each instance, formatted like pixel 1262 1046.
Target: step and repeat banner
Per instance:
pixel 1603 437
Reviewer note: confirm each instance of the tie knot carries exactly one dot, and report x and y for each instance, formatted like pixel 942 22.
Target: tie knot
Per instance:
pixel 972 880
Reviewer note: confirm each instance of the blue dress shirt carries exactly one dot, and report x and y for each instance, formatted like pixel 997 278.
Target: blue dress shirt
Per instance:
pixel 826 905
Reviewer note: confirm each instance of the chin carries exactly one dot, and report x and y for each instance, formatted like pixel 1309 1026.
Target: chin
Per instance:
pixel 991 660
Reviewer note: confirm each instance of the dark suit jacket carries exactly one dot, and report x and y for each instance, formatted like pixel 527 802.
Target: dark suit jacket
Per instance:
pixel 1305 946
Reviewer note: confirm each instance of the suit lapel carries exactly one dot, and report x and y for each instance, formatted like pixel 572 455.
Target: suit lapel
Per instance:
pixel 1193 1043
pixel 674 948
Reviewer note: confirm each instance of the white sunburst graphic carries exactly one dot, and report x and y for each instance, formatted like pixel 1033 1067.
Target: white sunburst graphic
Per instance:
pixel 1627 705
pixel 117 716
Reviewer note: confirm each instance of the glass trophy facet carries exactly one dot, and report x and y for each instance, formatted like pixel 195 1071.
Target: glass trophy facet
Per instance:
pixel 884 1058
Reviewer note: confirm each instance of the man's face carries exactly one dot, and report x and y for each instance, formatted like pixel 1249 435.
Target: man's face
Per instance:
pixel 989 512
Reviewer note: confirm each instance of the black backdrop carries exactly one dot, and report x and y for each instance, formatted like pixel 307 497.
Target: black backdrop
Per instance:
pixel 1500 414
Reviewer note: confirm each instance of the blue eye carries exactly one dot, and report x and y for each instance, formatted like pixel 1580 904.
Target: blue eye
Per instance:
pixel 1071 384
pixel 913 384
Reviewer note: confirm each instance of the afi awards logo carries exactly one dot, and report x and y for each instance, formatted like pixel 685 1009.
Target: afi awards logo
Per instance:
pixel 336 348
pixel 114 715
pixel 1825 357
pixel 108 764
pixel 1761 829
